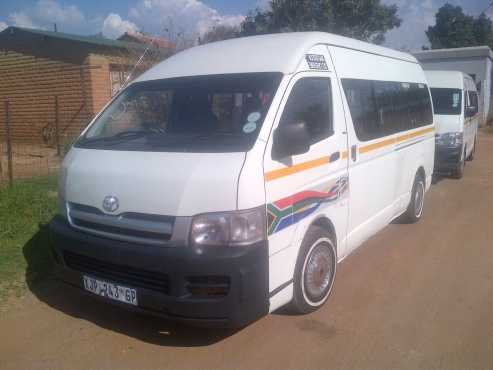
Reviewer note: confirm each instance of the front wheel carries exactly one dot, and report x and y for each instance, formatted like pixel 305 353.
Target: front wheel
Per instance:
pixel 315 270
pixel 473 151
pixel 414 210
pixel 458 173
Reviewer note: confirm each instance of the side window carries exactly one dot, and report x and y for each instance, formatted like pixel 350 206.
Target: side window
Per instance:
pixel 362 105
pixel 311 101
pixel 425 114
pixel 381 108
pixel 473 98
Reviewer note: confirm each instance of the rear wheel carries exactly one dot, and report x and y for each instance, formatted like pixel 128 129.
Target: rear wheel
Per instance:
pixel 315 270
pixel 414 210
pixel 458 173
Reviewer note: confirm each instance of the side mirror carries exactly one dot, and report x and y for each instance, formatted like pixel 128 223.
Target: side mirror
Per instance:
pixel 290 139
pixel 471 111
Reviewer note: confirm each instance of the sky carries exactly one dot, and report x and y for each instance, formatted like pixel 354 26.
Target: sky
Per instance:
pixel 194 17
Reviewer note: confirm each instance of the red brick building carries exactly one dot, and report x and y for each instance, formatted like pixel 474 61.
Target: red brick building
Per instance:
pixel 82 71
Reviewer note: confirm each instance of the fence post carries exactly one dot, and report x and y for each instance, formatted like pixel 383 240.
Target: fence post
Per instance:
pixel 1 161
pixel 9 144
pixel 57 133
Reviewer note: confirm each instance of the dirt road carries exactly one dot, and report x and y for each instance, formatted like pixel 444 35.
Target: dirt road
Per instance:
pixel 413 297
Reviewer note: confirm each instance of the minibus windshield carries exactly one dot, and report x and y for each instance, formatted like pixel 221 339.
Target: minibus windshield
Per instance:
pixel 446 101
pixel 216 113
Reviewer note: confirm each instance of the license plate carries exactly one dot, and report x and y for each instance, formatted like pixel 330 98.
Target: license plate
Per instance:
pixel 110 290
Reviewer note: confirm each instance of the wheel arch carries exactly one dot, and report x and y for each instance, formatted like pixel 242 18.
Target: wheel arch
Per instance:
pixel 325 223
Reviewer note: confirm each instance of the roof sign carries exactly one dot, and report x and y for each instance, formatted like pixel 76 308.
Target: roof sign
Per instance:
pixel 316 61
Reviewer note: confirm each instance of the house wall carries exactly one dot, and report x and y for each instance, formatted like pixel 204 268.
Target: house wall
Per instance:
pixel 479 66
pixel 100 81
pixel 30 84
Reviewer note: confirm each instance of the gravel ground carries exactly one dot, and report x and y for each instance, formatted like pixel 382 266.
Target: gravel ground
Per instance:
pixel 413 297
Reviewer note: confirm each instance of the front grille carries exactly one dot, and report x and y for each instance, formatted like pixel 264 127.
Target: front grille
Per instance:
pixel 118 273
pixel 128 226
pixel 119 231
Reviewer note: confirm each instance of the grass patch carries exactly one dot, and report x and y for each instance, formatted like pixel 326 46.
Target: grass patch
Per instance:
pixel 25 210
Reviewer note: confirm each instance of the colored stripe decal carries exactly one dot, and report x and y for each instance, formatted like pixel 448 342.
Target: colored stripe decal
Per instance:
pixel 286 171
pixel 288 211
pixel 395 140
pixel 415 134
pixel 378 145
pixel 410 144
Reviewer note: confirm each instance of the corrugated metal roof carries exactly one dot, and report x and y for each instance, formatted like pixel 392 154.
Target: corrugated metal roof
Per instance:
pixel 466 52
pixel 93 40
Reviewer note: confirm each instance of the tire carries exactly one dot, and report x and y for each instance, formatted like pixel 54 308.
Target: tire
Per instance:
pixel 458 173
pixel 414 210
pixel 473 151
pixel 315 271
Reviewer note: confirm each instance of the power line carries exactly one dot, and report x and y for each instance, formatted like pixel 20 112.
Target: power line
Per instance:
pixel 487 8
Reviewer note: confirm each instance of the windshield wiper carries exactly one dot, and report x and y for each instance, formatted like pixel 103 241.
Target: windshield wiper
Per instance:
pixel 217 134
pixel 118 138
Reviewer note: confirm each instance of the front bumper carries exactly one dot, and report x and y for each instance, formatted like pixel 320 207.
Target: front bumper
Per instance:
pixel 167 279
pixel 447 159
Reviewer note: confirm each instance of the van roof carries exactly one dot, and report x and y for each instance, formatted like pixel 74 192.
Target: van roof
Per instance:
pixel 446 79
pixel 280 52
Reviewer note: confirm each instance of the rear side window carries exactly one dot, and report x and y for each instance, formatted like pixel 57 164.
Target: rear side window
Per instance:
pixel 473 99
pixel 311 101
pixel 381 108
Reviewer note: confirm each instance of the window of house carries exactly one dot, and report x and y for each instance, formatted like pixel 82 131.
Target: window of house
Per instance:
pixel 118 76
pixel 311 101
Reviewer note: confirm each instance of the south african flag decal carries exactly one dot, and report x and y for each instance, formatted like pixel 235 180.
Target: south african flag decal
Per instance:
pixel 290 210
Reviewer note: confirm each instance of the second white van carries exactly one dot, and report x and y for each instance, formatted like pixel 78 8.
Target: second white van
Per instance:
pixel 455 103
pixel 229 180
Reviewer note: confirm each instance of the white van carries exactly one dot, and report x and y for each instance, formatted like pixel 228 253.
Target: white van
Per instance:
pixel 455 104
pixel 230 179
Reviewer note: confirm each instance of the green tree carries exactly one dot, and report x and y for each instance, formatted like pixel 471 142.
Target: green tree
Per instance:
pixel 217 33
pixel 454 29
pixel 483 30
pixel 366 20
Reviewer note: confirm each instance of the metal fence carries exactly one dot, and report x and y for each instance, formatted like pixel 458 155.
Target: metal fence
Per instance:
pixel 24 160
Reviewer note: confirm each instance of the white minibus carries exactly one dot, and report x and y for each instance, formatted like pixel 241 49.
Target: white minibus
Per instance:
pixel 455 104
pixel 228 180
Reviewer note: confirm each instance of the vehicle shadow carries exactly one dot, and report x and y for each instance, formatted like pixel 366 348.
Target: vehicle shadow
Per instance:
pixel 71 301
pixel 437 178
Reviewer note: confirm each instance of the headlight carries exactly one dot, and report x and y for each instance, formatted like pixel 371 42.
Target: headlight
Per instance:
pixel 449 139
pixel 229 228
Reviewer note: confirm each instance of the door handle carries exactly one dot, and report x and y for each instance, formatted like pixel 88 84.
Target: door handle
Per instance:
pixel 353 152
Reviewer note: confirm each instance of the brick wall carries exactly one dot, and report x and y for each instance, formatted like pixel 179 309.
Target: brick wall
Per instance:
pixel 30 84
pixel 100 81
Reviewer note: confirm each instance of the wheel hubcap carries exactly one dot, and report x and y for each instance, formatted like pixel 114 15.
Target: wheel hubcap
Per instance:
pixel 418 199
pixel 318 272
